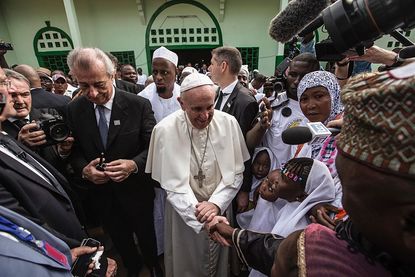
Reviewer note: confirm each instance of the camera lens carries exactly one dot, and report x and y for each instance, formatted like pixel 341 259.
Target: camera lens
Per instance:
pixel 59 132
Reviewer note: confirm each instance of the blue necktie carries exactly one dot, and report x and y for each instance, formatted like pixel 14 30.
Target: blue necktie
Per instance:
pixel 102 125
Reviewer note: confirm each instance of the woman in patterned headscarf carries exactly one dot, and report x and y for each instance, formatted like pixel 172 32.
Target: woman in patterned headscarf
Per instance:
pixel 319 98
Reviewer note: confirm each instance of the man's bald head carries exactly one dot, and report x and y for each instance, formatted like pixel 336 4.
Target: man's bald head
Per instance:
pixel 30 73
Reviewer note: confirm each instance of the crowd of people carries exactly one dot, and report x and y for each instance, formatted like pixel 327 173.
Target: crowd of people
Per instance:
pixel 187 172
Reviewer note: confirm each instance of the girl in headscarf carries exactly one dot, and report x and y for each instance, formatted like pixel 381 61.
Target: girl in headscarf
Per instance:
pixel 263 161
pixel 291 192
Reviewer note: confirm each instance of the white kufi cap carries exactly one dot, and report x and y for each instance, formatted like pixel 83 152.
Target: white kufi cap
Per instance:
pixel 195 80
pixel 165 53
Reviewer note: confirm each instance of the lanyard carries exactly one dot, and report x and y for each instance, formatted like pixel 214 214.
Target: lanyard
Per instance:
pixel 24 236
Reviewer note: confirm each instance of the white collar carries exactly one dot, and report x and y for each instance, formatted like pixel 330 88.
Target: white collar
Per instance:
pixel 230 88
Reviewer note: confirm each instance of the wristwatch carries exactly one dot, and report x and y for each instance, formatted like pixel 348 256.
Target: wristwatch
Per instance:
pixel 398 61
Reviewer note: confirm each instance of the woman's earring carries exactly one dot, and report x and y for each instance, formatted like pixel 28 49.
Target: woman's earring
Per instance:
pixel 297 198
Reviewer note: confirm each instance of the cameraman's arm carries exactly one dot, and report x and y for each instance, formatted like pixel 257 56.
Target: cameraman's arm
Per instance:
pixel 3 63
pixel 255 135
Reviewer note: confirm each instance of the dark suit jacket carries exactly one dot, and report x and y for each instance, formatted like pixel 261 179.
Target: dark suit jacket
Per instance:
pixel 130 128
pixel 24 192
pixel 49 153
pixel 19 259
pixel 44 99
pixel 129 87
pixel 243 106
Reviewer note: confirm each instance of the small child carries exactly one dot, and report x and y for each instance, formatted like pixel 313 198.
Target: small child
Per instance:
pixel 288 194
pixel 262 162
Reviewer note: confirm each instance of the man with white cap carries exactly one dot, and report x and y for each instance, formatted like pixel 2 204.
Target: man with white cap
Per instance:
pixel 200 181
pixel 163 95
pixel 164 91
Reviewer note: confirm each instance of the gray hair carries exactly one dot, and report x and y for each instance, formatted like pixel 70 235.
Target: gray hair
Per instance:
pixel 85 58
pixel 16 75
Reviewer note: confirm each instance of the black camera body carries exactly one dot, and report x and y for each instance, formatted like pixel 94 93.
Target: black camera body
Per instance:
pixel 55 129
pixel 6 46
pixel 274 84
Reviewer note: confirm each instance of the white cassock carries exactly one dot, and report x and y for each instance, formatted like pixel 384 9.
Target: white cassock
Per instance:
pixel 161 108
pixel 188 250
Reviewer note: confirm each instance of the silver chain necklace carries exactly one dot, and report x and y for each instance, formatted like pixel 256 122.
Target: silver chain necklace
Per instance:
pixel 200 176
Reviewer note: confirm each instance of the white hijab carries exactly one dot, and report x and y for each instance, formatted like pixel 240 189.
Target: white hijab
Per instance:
pixel 319 187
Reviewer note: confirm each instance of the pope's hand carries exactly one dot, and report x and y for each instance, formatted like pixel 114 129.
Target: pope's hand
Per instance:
pixel 206 211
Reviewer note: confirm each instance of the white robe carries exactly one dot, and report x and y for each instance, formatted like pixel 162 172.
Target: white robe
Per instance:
pixel 161 107
pixel 188 250
pixel 272 138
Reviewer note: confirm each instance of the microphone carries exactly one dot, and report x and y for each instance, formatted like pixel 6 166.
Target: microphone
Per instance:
pixel 314 132
pixel 294 17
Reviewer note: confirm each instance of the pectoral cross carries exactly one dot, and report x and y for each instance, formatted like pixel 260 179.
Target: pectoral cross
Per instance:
pixel 199 177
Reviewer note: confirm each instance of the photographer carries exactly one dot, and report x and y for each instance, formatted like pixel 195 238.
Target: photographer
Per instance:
pixel 274 121
pixel 24 126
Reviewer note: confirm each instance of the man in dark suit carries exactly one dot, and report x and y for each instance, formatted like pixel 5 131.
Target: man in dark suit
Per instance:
pixel 40 97
pixel 236 100
pixel 117 124
pixel 32 187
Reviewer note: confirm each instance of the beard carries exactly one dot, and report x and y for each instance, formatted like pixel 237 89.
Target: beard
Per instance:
pixel 161 90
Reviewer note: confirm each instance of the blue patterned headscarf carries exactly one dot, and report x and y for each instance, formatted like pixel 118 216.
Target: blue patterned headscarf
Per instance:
pixel 327 80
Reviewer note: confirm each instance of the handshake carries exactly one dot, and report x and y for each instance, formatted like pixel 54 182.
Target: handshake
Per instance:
pixel 219 230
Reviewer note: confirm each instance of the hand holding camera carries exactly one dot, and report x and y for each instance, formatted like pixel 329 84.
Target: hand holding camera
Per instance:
pixel 32 136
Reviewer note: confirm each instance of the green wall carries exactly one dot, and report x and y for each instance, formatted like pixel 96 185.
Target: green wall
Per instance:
pixel 116 25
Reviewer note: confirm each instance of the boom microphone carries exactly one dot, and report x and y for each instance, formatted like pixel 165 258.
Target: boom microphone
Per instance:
pixel 314 132
pixel 294 17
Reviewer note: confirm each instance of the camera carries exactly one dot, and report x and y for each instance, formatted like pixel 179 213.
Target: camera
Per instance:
pixel 55 129
pixel 274 84
pixel 6 46
pixel 357 23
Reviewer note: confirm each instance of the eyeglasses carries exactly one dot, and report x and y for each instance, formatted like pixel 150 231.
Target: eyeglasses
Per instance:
pixel 6 83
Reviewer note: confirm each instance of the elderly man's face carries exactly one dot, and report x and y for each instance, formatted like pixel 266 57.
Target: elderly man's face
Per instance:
pixel 198 103
pixel 95 84
pixel 164 75
pixel 21 97
pixel 6 109
pixel 381 206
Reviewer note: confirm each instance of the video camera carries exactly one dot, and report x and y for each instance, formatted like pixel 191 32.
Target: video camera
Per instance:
pixel 6 46
pixel 357 23
pixel 277 83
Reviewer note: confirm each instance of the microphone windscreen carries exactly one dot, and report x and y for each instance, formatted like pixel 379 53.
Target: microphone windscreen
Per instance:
pixel 296 135
pixel 290 21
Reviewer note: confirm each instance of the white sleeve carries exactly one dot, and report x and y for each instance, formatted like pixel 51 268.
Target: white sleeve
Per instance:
pixel 223 195
pixel 185 205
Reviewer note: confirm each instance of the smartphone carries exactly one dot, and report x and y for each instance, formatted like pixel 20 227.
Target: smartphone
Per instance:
pixel 81 264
